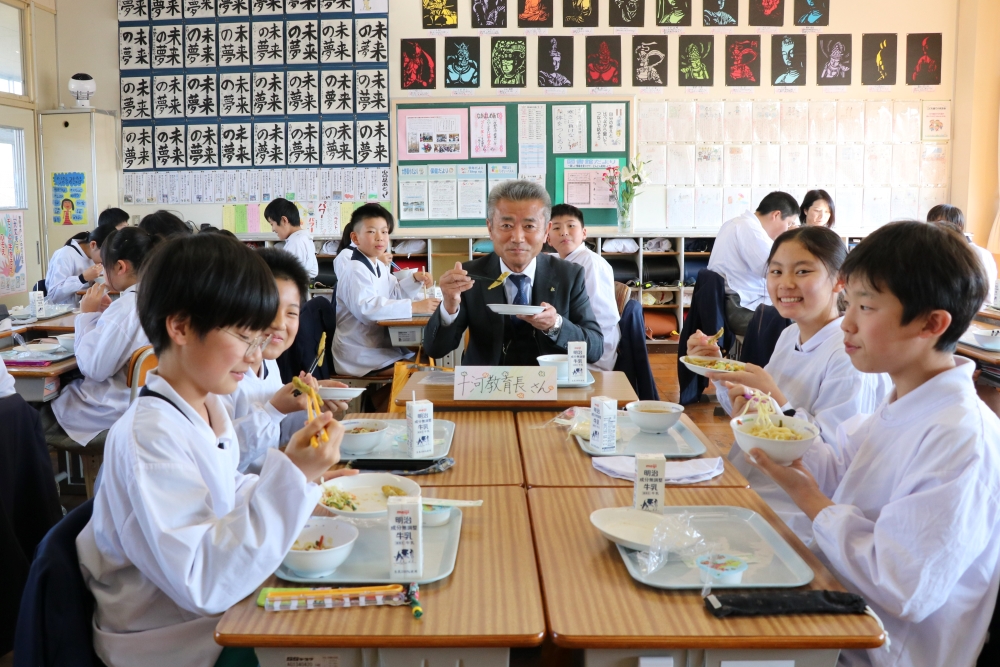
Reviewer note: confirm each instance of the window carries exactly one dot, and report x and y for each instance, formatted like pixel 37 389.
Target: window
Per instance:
pixel 13 191
pixel 11 51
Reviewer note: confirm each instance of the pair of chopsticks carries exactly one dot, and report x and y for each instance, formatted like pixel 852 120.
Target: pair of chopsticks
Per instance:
pixel 320 354
pixel 313 407
pixel 494 282
pixel 711 341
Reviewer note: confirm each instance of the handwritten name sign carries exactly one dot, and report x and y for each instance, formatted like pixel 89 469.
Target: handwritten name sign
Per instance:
pixel 505 383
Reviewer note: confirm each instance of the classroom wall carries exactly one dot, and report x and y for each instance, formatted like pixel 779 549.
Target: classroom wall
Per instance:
pixel 88 29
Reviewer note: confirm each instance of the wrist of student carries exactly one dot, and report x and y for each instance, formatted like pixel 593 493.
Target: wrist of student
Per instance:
pixel 83 279
pixel 815 503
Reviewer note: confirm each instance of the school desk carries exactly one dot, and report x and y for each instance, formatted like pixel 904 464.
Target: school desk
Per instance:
pixel 61 324
pixel 491 602
pixel 592 603
pixel 606 383
pixel 553 458
pixel 406 333
pixel 485 449
pixel 40 384
pixel 989 316
pixel 983 357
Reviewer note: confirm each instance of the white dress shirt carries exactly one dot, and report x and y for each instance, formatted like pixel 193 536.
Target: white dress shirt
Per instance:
pixel 62 280
pixel 366 293
pixel 6 381
pixel 600 280
pixel 104 346
pixel 178 536
pixel 740 256
pixel 821 384
pixel 509 289
pixel 256 421
pixel 301 245
pixel 990 266
pixel 914 528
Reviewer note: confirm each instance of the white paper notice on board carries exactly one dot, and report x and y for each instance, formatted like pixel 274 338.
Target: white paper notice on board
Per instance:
pixel 794 164
pixel 652 122
pixel 413 192
pixel 708 165
pixel 737 159
pixel 488 131
pixel 442 199
pixel 607 128
pixel 850 165
pixel 905 164
pixel 822 164
pixel 708 208
pixel 823 122
pixel 936 124
pixel 680 208
pixel 794 121
pixel 765 169
pixel 586 188
pixel 680 164
pixel 767 121
pixel 738 121
pixel 878 121
pixel 708 122
pixel 531 139
pixel 850 121
pixel 501 171
pixel 934 165
pixel 680 121
pixel 471 191
pixel 655 157
pixel 569 129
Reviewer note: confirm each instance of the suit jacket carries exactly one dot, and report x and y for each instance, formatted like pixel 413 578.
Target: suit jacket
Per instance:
pixel 556 282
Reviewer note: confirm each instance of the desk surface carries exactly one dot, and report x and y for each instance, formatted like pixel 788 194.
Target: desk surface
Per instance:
pixel 416 321
pixel 606 383
pixel 61 324
pixel 485 449
pixel 592 602
pixel 552 458
pixel 58 368
pixel 492 599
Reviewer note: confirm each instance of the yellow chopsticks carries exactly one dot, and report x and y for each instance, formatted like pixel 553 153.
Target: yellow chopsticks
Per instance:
pixel 313 407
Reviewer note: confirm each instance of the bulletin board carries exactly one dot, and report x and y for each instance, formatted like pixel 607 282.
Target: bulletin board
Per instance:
pixel 554 162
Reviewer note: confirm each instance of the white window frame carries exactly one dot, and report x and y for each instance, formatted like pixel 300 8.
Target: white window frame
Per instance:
pixel 15 137
pixel 28 96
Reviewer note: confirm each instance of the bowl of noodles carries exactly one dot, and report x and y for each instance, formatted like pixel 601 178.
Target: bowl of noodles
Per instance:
pixel 782 438
pixel 362 435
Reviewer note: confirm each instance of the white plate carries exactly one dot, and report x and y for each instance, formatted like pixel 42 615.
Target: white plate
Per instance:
pixel 340 393
pixel 569 385
pixel 626 526
pixel 369 560
pixel 701 370
pixel 368 488
pixel 507 309
pixel 39 348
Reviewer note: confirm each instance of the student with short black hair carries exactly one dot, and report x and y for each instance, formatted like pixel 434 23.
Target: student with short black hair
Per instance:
pixel 178 535
pixel 368 292
pixel 952 217
pixel 76 265
pixel 107 334
pixel 567 235
pixel 284 218
pixel 905 508
pixel 164 224
pixel 113 216
pixel 740 255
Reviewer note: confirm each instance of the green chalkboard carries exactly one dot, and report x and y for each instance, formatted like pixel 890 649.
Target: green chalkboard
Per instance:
pixel 553 173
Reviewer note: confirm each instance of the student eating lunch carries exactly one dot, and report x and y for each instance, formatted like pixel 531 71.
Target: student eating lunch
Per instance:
pixel 518 220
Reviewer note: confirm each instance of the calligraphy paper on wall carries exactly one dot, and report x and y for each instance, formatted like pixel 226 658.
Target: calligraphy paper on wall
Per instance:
pixel 202 146
pixel 236 145
pixel 302 93
pixel 235 94
pixel 269 94
pixel 234 45
pixel 302 42
pixel 269 144
pixel 168 96
pixel 336 41
pixel 372 91
pixel 201 95
pixel 170 146
pixel 337 96
pixel 200 48
pixel 304 144
pixel 137 98
pixel 338 142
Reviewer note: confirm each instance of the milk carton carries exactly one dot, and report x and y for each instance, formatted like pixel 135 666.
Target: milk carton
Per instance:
pixel 577 352
pixel 420 429
pixel 603 423
pixel 36 303
pixel 649 473
pixel 406 545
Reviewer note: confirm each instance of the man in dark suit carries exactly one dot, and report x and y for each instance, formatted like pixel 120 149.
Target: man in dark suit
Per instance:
pixel 518 222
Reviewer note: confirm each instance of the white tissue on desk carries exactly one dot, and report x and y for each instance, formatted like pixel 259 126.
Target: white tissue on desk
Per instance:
pixel 677 472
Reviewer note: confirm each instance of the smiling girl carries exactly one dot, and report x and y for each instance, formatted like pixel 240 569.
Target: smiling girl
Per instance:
pixel 809 376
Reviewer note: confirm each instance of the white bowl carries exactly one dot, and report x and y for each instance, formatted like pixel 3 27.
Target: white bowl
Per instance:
pixel 67 341
pixel 368 489
pixel 38 348
pixel 560 361
pixel 626 526
pixel 436 516
pixel 988 338
pixel 654 416
pixel 340 393
pixel 701 370
pixel 362 443
pixel 782 452
pixel 340 534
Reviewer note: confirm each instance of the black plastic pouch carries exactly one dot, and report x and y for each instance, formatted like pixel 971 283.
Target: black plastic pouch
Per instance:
pixel 778 603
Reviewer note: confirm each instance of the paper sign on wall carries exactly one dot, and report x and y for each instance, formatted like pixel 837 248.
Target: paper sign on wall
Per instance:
pixel 69 198
pixel 13 274
pixel 505 383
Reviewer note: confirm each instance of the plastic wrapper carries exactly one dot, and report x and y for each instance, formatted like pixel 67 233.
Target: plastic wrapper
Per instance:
pixel 576 421
pixel 675 537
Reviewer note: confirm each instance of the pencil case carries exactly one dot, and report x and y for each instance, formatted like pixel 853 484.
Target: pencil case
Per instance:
pixel 778 603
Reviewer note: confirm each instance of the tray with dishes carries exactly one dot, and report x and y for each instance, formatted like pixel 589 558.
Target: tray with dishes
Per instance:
pixel 750 552
pixel 647 427
pixel 47 312
pixel 386 440
pixel 35 354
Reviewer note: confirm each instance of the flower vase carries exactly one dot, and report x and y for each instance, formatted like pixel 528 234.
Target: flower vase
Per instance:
pixel 624 216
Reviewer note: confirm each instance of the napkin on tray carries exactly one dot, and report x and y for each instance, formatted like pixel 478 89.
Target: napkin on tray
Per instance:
pixel 677 472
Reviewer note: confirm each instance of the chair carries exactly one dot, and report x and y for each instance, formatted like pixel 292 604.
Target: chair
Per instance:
pixel 143 360
pixel 762 335
pixel 633 356
pixel 622 294
pixel 707 313
pixel 55 620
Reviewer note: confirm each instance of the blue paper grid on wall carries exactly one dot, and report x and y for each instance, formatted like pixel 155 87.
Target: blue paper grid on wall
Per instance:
pixel 238 84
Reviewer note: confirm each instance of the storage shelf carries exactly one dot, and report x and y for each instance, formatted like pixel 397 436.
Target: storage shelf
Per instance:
pixel 694 254
pixel 667 253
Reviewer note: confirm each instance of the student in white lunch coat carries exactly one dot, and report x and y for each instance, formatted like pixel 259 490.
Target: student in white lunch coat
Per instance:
pixel 809 375
pixel 284 218
pixel 567 236
pixel 740 255
pixel 366 293
pixel 262 408
pixel 953 218
pixel 107 334
pixel 77 264
pixel 905 508
pixel 178 535
pixel 6 381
